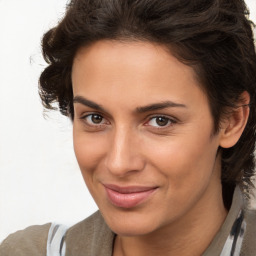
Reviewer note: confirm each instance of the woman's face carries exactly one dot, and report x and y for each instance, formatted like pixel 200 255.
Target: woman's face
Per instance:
pixel 143 136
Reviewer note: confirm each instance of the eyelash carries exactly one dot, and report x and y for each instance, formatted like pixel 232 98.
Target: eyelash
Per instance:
pixel 83 118
pixel 170 121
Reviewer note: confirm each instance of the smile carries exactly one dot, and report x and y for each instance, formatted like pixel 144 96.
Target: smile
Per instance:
pixel 128 197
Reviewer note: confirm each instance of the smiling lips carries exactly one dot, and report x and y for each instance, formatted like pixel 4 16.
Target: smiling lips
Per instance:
pixel 128 197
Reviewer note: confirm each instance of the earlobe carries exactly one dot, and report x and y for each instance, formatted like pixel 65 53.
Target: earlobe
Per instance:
pixel 233 126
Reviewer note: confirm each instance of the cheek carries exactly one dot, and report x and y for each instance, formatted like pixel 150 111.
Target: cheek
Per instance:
pixel 187 169
pixel 89 149
pixel 187 163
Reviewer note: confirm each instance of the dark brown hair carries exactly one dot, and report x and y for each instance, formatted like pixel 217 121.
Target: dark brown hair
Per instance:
pixel 213 36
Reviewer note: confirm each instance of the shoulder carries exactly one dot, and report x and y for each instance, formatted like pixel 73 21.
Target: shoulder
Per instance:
pixel 249 241
pixel 27 242
pixel 91 236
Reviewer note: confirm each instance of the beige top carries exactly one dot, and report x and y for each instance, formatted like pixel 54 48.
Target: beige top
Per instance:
pixel 93 237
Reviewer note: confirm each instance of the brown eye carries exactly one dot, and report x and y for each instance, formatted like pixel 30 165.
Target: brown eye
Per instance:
pixel 96 119
pixel 162 121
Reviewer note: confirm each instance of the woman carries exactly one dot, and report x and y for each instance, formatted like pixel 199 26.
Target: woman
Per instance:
pixel 162 99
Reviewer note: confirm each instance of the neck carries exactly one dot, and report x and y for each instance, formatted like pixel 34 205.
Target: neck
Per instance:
pixel 191 233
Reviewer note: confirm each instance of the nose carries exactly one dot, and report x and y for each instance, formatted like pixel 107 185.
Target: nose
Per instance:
pixel 124 156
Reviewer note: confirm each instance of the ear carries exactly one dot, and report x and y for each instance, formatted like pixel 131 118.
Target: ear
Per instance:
pixel 233 126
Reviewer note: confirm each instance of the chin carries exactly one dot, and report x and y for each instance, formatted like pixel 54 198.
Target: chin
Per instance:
pixel 131 229
pixel 129 223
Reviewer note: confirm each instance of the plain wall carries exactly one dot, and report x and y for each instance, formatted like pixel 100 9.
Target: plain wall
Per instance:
pixel 39 178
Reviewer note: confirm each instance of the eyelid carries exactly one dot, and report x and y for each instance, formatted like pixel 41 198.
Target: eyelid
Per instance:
pixel 89 111
pixel 85 115
pixel 172 121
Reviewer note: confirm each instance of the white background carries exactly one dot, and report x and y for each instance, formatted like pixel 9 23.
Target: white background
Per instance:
pixel 39 178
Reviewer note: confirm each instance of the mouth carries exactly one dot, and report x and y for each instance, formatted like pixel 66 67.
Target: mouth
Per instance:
pixel 128 197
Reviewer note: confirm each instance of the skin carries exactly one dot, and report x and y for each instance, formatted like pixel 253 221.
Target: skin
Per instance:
pixel 117 140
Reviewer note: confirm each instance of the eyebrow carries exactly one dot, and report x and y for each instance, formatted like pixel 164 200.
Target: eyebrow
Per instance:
pixel 143 109
pixel 159 106
pixel 88 103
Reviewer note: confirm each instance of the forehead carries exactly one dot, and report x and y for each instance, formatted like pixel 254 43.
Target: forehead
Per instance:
pixel 135 69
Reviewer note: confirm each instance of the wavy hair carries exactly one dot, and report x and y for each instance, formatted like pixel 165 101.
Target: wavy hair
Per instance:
pixel 214 37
